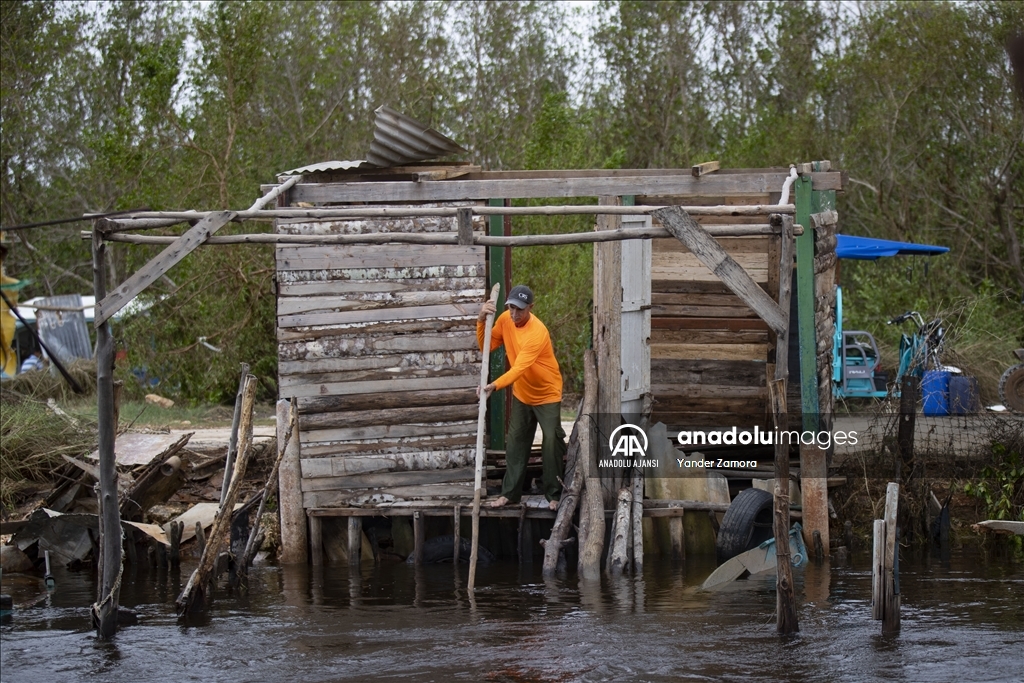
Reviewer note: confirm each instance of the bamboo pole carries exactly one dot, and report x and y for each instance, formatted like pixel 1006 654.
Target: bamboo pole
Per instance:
pixel 481 414
pixel 104 610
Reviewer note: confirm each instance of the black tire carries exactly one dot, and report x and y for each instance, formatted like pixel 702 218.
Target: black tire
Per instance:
pixel 1011 388
pixel 439 549
pixel 747 524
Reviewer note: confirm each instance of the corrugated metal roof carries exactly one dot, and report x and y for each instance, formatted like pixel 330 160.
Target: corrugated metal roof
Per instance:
pixel 398 139
pixel 327 166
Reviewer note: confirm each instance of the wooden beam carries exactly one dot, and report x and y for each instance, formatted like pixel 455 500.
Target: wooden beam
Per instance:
pixel 703 169
pixel 576 185
pixel 164 261
pixel 712 255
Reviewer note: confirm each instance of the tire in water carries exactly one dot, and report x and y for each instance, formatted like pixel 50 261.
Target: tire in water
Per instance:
pixel 746 525
pixel 439 549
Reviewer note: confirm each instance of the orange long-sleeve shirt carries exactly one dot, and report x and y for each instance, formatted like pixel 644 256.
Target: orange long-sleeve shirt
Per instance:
pixel 534 376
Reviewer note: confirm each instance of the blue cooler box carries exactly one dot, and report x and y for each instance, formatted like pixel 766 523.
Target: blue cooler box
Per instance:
pixel 935 391
pixel 963 395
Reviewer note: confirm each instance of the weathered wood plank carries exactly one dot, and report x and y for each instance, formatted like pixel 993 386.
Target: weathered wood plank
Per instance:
pixel 392 416
pixel 339 466
pixel 393 385
pixel 732 245
pixel 709 352
pixel 736 324
pixel 159 265
pixel 458 363
pixel 724 266
pixel 348 353
pixel 323 304
pixel 382 275
pixel 689 403
pixel 375 256
pixel 379 315
pixel 664 311
pixel 367 287
pixel 715 184
pixel 316 499
pixel 662 336
pixel 361 330
pixel 388 479
pixel 460 352
pixel 383 432
pixel 703 169
pixel 674 271
pixel 385 446
pixel 715 372
pixel 696 299
pixel 666 391
pixel 388 399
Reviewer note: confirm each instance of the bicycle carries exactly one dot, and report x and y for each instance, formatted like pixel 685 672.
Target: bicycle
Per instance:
pixel 921 350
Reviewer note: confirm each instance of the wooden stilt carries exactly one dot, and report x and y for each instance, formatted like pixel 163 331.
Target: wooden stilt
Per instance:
pixel 890 584
pixel 456 534
pixel 637 522
pixel 104 611
pixel 481 414
pixel 520 550
pixel 316 541
pixel 355 540
pixel 592 523
pixel 417 537
pixel 175 553
pixel 675 530
pixel 877 562
pixel 621 529
pixel 200 537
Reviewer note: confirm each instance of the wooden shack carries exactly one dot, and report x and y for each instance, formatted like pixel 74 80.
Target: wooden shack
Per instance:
pixel 377 341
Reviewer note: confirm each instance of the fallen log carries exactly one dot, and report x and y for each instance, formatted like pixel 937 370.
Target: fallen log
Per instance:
pixel 554 544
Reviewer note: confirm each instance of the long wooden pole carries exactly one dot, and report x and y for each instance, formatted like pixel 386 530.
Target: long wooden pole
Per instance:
pixel 481 414
pixel 104 611
pixel 157 217
pixel 739 230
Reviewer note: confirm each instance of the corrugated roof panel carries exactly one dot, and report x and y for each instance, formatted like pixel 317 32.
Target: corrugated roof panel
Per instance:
pixel 327 166
pixel 398 139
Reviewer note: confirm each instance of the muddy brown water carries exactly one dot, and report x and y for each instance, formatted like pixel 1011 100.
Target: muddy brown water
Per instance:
pixel 962 620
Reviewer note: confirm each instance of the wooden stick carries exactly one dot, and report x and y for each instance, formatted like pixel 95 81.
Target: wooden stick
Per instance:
pixel 620 533
pixel 592 523
pixel 456 533
pixel 104 610
pixel 275 193
pixel 123 222
pixel 194 595
pixel 418 538
pixel 355 541
pixel 442 238
pixel 785 600
pixel 229 462
pixel 638 522
pixel 481 414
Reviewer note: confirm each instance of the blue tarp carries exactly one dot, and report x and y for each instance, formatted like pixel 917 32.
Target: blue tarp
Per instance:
pixel 869 249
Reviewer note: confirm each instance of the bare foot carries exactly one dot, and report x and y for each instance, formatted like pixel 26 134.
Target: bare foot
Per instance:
pixel 552 505
pixel 500 501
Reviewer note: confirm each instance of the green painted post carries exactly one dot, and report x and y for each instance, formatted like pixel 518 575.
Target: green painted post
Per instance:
pixel 805 305
pixel 496 274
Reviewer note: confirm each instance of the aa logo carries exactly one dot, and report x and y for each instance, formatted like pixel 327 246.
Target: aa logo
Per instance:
pixel 625 442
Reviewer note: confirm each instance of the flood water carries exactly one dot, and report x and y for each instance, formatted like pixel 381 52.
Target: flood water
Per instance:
pixel 962 619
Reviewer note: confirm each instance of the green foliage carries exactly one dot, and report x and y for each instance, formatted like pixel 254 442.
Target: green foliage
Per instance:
pixel 1001 485
pixel 125 104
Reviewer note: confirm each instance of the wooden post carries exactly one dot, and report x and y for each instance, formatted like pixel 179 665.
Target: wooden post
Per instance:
pixel 175 553
pixel 499 270
pixel 520 536
pixel 316 540
pixel 418 538
pixel 289 496
pixel 481 415
pixel 675 531
pixel 785 602
pixel 621 529
pixel 591 534
pixel 909 390
pixel 456 535
pixel 638 520
pixel 104 610
pixel 890 581
pixel 877 562
pixel 200 538
pixel 608 336
pixel 229 462
pixel 355 540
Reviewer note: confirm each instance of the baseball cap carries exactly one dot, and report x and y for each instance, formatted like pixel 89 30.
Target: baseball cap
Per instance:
pixel 520 297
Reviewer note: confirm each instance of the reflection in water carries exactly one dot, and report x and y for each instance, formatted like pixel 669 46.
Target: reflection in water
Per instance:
pixel 396 621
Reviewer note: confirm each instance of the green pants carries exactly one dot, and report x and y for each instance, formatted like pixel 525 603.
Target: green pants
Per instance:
pixel 522 426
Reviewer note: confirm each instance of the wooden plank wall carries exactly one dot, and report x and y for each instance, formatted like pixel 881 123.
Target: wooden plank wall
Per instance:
pixel 378 344
pixel 709 350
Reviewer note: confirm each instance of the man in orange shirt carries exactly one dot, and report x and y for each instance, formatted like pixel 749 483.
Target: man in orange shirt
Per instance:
pixel 536 394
